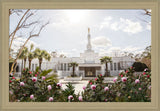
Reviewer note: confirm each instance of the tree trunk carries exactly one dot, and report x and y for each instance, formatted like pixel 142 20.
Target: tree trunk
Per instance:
pixel 73 70
pixel 107 70
pixel 40 62
pixel 24 63
pixel 30 64
pixel 22 66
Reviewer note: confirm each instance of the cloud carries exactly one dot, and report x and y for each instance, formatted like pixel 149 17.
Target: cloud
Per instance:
pixel 148 26
pixel 127 25
pixel 122 24
pixel 101 41
pixel 18 42
pixel 106 22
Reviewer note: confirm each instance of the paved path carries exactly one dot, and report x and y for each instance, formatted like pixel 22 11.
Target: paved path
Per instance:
pixel 77 84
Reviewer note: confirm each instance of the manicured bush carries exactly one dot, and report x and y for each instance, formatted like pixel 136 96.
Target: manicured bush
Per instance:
pixel 139 67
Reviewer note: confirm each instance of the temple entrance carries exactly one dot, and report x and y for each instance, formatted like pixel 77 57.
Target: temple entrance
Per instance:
pixel 89 71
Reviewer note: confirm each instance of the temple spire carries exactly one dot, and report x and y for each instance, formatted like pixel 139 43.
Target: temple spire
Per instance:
pixel 89 47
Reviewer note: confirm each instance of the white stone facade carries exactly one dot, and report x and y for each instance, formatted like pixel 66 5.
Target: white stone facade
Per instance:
pixel 88 64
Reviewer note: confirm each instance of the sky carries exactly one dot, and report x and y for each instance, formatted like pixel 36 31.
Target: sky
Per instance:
pixel 111 31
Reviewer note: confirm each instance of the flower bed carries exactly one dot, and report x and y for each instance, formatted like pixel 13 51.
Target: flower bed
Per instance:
pixel 36 87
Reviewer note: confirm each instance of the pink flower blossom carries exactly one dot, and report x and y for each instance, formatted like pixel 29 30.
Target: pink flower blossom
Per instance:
pixel 70 97
pixel 144 73
pixel 11 92
pixel 105 100
pixel 145 69
pixel 32 96
pixel 148 76
pixel 59 84
pixel 121 75
pixel 50 99
pixel 43 77
pixel 80 98
pixel 131 67
pixel 35 75
pixel 139 89
pixel 106 89
pixel 149 87
pixel 21 83
pixel 137 81
pixel 84 87
pixel 11 74
pixel 13 78
pixel 126 71
pixel 93 87
pixel 49 87
pixel 115 79
pixel 100 74
pixel 30 72
pixel 124 79
pixel 34 79
pixel 95 79
pixel 90 83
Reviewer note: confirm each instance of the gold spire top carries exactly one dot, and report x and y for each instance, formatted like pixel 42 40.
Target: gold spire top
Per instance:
pixel 89 30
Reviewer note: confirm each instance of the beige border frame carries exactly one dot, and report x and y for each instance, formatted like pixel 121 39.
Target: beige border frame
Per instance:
pixel 5 5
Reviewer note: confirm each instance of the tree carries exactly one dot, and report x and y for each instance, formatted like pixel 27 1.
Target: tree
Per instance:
pixel 23 56
pixel 25 21
pixel 31 55
pixel 105 60
pixel 73 65
pixel 41 54
pixel 146 57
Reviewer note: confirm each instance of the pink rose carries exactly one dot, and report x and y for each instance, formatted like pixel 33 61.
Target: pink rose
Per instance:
pixel 21 83
pixel 70 97
pixel 32 96
pixel 93 87
pixel 30 72
pixel 90 83
pixel 80 98
pixel 43 77
pixel 95 79
pixel 139 89
pixel 137 81
pixel 100 74
pixel 34 79
pixel 84 87
pixel 115 79
pixel 35 75
pixel 59 84
pixel 124 79
pixel 105 100
pixel 106 89
pixel 49 87
pixel 50 99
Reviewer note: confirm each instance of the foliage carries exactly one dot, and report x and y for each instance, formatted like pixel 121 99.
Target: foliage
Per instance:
pixel 139 67
pixel 105 60
pixel 127 87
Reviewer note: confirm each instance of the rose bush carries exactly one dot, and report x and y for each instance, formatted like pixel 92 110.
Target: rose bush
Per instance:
pixel 38 87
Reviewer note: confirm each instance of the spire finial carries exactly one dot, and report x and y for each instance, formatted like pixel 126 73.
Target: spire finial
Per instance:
pixel 88 30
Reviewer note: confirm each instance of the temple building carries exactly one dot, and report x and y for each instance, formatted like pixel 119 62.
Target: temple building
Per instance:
pixel 89 64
